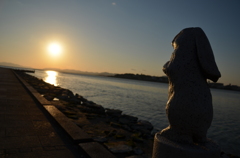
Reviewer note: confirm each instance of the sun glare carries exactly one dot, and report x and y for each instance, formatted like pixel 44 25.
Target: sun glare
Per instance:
pixel 51 77
pixel 54 49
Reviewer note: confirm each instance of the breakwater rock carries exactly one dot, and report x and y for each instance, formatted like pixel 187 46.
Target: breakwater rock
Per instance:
pixel 123 135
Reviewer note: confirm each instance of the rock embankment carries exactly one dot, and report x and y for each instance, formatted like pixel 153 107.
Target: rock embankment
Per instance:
pixel 123 135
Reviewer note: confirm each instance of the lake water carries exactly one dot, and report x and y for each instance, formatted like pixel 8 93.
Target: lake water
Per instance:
pixel 147 100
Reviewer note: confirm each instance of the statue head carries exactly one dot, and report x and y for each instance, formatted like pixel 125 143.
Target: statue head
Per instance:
pixel 196 36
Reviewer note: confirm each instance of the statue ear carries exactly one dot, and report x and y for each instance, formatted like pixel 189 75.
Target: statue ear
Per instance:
pixel 205 56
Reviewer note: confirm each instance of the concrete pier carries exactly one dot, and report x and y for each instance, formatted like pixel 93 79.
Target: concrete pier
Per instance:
pixel 29 129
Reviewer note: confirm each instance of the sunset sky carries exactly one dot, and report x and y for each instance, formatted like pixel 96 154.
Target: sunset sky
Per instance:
pixel 116 36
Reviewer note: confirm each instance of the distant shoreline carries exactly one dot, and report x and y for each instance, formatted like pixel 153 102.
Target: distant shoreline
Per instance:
pixel 140 77
pixel 164 79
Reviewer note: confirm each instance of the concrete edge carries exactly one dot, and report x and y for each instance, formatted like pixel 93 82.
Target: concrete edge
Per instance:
pixel 38 96
pixel 91 148
pixel 96 150
pixel 75 132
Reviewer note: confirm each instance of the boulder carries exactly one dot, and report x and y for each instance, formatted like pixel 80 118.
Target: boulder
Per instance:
pixel 137 151
pixel 80 98
pixel 118 148
pixel 100 139
pixel 42 91
pixel 117 125
pixel 49 97
pixel 146 124
pixel 120 136
pixel 88 102
pixel 142 129
pixel 113 112
pixel 63 96
pixel 126 127
pixel 135 156
pixel 97 109
pixel 127 119
pixel 112 133
pixel 136 137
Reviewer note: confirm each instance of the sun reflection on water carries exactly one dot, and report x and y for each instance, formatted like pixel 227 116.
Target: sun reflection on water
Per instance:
pixel 52 77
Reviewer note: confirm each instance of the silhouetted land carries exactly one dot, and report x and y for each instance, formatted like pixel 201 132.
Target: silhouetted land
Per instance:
pixel 164 79
pixel 142 77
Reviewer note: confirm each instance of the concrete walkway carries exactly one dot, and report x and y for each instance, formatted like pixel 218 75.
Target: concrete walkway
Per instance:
pixel 26 130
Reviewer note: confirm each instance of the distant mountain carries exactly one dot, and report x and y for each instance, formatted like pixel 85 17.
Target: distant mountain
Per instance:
pixel 10 64
pixel 72 71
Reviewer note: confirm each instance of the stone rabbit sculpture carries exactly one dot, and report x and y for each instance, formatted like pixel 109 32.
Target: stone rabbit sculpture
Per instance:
pixel 189 107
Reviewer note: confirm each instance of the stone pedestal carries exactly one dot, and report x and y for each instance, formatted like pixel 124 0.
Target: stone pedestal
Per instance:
pixel 165 148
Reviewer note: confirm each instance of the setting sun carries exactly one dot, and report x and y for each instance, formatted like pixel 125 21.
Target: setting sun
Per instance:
pixel 54 49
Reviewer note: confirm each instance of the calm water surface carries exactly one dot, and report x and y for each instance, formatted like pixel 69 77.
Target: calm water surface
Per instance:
pixel 147 100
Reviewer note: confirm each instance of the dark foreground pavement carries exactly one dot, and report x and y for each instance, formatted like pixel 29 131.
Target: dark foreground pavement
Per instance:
pixel 26 130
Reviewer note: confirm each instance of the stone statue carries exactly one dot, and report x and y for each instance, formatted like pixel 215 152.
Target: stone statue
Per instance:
pixel 189 107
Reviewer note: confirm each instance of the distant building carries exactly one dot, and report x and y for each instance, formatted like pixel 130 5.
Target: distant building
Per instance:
pixel 232 87
pixel 163 79
pixel 216 85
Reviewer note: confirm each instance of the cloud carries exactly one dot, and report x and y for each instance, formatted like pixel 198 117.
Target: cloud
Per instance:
pixel 113 3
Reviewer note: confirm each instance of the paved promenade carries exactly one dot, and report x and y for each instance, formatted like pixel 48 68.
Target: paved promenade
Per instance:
pixel 26 130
